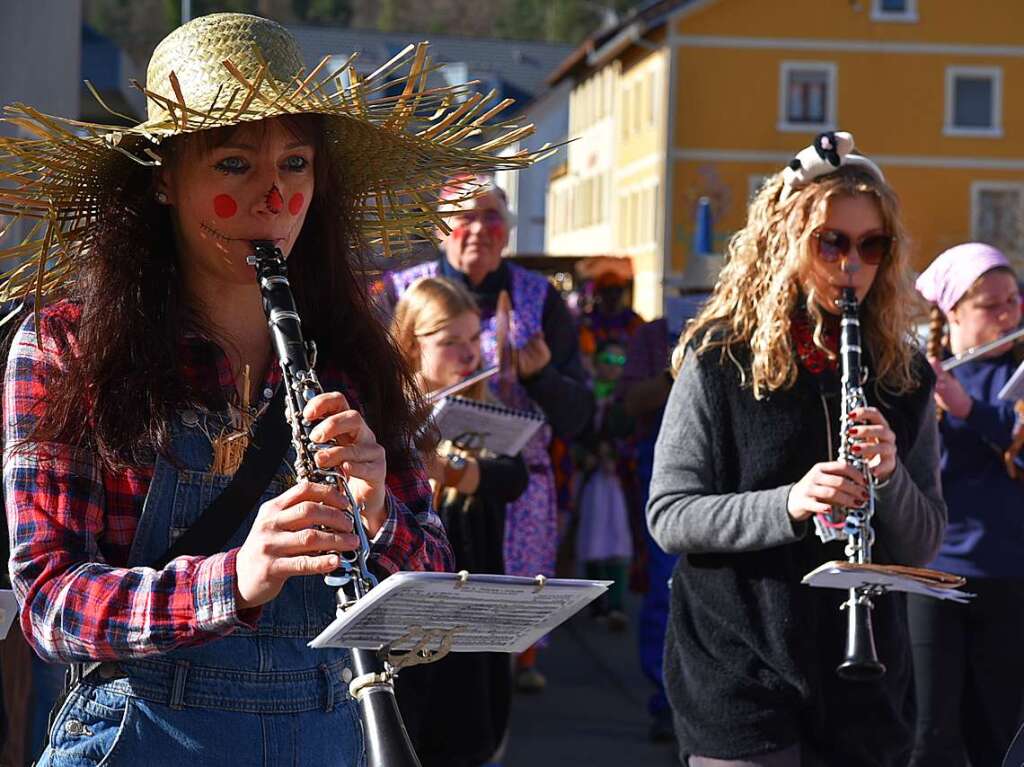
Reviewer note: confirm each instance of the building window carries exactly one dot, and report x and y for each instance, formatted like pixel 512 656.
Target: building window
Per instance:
pixel 656 197
pixel 807 96
pixel 894 10
pixel 650 99
pixel 645 225
pixel 638 106
pixel 627 104
pixel 622 221
pixel 997 210
pixel 974 101
pixel 634 231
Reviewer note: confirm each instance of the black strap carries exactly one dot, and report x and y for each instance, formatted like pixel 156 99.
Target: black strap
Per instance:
pixel 219 521
pixel 224 516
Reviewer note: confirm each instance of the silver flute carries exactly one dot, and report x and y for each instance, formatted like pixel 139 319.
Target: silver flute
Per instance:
pixel 861 660
pixel 976 351
pixel 387 742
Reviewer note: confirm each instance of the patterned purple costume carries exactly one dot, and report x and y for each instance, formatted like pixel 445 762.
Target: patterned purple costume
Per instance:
pixel 531 532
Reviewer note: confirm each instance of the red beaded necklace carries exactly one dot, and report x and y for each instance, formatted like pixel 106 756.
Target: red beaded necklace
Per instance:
pixel 811 356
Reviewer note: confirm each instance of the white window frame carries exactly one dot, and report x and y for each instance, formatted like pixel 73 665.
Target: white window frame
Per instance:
pixel 977 187
pixel 996 75
pixel 908 16
pixel 831 70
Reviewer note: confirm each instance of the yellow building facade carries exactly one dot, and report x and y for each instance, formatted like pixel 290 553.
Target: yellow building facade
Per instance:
pixel 741 85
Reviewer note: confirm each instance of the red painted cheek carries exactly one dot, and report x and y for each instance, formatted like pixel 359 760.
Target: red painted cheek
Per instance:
pixel 295 203
pixel 224 206
pixel 496 231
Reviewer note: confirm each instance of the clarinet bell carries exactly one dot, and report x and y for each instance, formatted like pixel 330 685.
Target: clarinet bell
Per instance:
pixel 861 663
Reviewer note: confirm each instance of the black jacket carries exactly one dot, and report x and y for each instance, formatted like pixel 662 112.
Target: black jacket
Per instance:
pixel 750 652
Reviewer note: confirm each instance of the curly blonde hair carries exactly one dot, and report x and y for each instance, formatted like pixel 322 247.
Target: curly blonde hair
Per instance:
pixel 759 287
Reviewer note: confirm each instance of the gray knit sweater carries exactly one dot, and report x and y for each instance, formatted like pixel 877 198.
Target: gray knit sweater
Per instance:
pixel 751 653
pixel 685 514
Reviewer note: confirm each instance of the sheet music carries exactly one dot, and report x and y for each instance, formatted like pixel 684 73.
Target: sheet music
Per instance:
pixel 501 430
pixel 8 611
pixel 494 613
pixel 833 575
pixel 1013 390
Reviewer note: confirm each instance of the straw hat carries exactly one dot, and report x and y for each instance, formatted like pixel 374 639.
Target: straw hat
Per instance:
pixel 394 139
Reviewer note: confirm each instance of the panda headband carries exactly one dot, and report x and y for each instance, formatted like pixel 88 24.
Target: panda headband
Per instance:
pixel 829 152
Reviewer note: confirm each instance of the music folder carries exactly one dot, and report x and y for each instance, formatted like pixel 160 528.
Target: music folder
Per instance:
pixel 480 613
pixel 501 430
pixel 1013 389
pixel 913 580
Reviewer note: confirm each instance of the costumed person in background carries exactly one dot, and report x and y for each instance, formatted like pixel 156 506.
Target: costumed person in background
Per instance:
pixel 548 373
pixel 604 542
pixel 130 397
pixel 643 389
pixel 457 709
pixel 608 318
pixel 968 667
pixel 746 456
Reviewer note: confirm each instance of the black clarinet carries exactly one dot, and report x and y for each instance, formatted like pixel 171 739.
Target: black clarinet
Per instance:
pixel 387 742
pixel 861 662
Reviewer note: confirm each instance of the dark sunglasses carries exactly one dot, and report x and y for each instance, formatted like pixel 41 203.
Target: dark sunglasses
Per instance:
pixel 832 245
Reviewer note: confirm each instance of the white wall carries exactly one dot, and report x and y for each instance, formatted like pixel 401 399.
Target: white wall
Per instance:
pixel 527 189
pixel 40 55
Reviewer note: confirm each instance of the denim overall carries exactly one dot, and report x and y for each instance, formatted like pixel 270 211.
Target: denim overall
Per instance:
pixel 253 697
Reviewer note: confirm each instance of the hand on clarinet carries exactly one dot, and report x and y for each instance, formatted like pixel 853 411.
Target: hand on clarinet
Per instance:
pixel 827 484
pixel 874 441
pixel 292 535
pixel 356 453
pixel 837 483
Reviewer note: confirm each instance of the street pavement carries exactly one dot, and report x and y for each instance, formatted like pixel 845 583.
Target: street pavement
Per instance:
pixel 593 712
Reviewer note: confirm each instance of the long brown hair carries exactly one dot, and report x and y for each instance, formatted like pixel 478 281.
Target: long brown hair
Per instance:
pixel 758 288
pixel 127 363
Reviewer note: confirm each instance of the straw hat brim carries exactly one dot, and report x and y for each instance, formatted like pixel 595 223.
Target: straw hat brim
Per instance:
pixel 394 140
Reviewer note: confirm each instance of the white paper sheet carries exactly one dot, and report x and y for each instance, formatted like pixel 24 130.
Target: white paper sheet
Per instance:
pixel 495 613
pixel 8 611
pixel 1013 389
pixel 501 430
pixel 831 577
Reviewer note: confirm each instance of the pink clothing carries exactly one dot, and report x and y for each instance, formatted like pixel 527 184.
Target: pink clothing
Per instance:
pixel 953 272
pixel 531 529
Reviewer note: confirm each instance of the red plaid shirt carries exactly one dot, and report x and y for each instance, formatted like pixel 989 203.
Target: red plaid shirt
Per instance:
pixel 72 524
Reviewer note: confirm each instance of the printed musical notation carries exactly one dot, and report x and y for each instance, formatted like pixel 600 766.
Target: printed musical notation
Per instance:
pixel 492 613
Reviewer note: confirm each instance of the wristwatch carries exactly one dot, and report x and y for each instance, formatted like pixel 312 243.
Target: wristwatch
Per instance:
pixel 454 470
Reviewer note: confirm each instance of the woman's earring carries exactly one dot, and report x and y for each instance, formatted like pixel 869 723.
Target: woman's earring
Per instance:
pixel 161 198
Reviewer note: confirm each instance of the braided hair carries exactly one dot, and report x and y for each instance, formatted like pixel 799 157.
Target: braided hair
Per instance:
pixel 937 340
